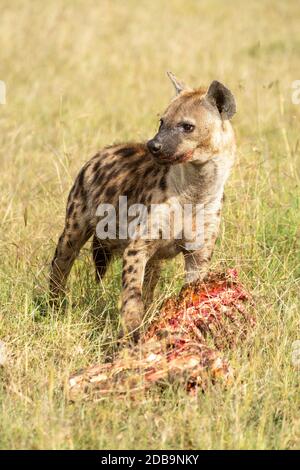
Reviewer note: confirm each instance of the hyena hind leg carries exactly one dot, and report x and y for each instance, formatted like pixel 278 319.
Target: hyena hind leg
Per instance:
pixel 152 274
pixel 101 257
pixel 67 250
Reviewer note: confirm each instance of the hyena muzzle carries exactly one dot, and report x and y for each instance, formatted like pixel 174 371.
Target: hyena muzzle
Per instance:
pixel 187 162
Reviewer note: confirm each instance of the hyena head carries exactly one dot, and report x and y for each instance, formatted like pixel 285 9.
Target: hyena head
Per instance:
pixel 195 126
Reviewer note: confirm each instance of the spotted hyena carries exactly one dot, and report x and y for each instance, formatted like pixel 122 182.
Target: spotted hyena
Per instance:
pixel 187 161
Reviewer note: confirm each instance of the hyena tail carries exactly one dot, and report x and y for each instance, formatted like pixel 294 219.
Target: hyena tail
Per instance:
pixel 101 257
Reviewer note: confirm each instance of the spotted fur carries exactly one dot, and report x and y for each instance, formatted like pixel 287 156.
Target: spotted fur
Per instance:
pixel 189 167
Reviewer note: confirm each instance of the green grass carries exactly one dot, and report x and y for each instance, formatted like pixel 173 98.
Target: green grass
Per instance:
pixel 84 74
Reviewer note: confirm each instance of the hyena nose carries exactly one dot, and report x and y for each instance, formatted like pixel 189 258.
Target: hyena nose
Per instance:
pixel 154 146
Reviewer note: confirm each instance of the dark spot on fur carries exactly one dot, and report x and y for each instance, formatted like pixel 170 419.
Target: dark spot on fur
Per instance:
pixel 132 296
pixel 129 191
pixel 136 292
pixel 163 183
pixel 126 151
pixel 147 171
pixel 71 194
pixel 96 166
pixel 132 165
pixel 83 193
pixel 112 174
pixel 97 178
pixel 80 178
pixel 97 155
pixel 108 166
pixel 148 198
pixel 142 198
pixel 132 252
pixel 155 171
pixel 110 192
pixel 98 194
pixel 70 209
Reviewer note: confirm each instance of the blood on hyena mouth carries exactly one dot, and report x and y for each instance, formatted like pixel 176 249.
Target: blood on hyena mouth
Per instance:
pixel 178 158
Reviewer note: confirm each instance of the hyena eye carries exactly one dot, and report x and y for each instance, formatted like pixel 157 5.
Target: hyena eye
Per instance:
pixel 161 121
pixel 187 127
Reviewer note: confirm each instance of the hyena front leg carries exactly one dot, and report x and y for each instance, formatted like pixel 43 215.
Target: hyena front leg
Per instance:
pixel 196 265
pixel 152 274
pixel 135 259
pixel 197 261
pixel 69 244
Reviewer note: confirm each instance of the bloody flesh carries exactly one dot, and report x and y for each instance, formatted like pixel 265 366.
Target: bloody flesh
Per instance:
pixel 185 344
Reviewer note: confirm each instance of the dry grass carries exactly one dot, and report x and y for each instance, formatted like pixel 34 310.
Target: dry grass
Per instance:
pixel 84 74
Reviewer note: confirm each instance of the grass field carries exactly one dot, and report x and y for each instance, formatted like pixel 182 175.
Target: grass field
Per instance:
pixel 84 74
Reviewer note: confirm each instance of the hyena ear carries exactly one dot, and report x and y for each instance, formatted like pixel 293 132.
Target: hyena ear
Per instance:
pixel 221 97
pixel 178 85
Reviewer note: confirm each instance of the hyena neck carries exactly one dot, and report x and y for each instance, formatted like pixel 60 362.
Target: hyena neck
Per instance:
pixel 203 183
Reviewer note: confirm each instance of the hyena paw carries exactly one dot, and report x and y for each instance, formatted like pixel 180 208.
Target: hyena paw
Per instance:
pixel 193 276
